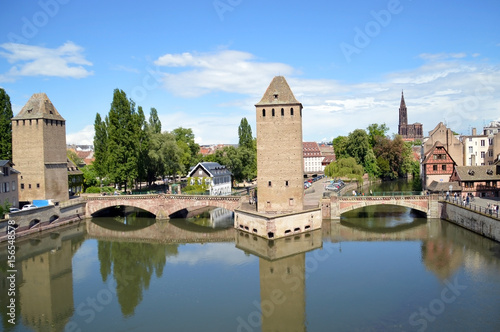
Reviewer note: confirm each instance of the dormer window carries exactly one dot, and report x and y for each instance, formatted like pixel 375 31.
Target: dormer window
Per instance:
pixel 30 110
pixel 275 96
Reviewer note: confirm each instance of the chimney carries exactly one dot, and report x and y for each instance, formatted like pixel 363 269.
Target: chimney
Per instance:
pixel 474 132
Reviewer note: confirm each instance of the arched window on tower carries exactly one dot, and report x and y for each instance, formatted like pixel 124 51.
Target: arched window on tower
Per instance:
pixel 272 112
pixel 282 112
pixel 291 111
pixel 264 112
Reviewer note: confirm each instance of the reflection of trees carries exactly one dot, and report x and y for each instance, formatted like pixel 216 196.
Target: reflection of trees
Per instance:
pixel 132 265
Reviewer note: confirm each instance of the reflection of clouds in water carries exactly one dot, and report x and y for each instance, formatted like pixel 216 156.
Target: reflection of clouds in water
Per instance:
pixel 86 256
pixel 223 253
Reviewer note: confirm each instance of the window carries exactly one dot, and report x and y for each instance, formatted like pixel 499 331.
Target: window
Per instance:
pixel 38 185
pixel 282 112
pixel 483 154
pixel 434 167
pixel 29 186
pixel 272 112
pixel 13 185
pixel 471 149
pixel 482 142
pixel 490 153
pixel 470 139
pixel 443 167
pixel 291 111
pixel 269 184
pixel 286 183
pixel 22 186
pixel 5 171
pixel 490 141
pixel 264 112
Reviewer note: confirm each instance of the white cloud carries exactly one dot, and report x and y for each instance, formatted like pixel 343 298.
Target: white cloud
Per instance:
pixel 227 71
pixel 82 137
pixel 442 56
pixel 65 61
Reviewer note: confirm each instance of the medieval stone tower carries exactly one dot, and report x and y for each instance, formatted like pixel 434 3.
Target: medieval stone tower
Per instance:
pixel 280 165
pixel 39 150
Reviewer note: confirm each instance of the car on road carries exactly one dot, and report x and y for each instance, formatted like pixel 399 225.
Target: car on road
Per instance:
pixel 13 209
pixel 29 206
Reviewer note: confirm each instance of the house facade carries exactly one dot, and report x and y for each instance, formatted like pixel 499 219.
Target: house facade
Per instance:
pixel 480 181
pixel 452 144
pixel 312 158
pixel 75 178
pixel 9 192
pixel 437 165
pixel 478 149
pixel 215 177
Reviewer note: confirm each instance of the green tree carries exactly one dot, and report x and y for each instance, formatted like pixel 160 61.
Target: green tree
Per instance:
pixel 5 126
pixel 245 134
pixel 165 154
pixel 142 144
pixel 74 158
pixel 376 130
pixel 122 140
pixel 154 123
pixel 100 147
pixel 345 168
pixel 185 140
pixel 339 147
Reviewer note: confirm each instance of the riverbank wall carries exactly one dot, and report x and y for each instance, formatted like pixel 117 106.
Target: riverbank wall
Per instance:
pixel 41 219
pixel 477 222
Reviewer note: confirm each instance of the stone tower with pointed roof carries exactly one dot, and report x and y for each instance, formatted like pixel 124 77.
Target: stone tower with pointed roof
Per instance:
pixel 409 132
pixel 39 150
pixel 280 166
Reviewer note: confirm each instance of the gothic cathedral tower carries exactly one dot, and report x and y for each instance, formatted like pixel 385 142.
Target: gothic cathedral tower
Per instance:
pixel 280 165
pixel 39 150
pixel 403 117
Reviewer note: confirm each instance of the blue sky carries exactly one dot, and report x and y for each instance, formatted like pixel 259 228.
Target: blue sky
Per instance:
pixel 204 64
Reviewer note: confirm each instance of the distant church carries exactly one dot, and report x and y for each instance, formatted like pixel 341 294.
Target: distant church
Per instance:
pixel 409 132
pixel 39 150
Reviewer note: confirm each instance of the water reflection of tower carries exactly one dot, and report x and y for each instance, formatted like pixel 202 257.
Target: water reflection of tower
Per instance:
pixel 282 278
pixel 46 290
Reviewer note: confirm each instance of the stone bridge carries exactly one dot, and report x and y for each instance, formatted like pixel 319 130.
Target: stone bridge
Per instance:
pixel 161 205
pixel 334 206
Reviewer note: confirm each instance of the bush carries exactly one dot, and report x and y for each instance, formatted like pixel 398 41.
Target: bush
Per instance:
pixel 97 190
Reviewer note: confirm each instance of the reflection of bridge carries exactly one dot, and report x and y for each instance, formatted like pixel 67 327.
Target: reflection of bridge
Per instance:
pixel 162 206
pixel 344 231
pixel 164 232
pixel 334 206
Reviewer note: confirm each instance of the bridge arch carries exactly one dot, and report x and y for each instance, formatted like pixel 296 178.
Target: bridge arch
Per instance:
pixel 342 204
pixel 162 206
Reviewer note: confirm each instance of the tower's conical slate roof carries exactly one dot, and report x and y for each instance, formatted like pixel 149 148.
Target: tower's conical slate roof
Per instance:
pixel 278 93
pixel 39 106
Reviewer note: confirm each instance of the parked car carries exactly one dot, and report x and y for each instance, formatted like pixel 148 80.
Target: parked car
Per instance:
pixel 13 209
pixel 29 206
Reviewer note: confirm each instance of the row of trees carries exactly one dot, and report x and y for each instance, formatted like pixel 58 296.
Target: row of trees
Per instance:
pixel 128 149
pixel 372 151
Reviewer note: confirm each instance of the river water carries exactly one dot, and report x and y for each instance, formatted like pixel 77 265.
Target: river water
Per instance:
pixel 378 269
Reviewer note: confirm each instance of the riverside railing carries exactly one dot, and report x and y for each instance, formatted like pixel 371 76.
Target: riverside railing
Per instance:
pixel 490 210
